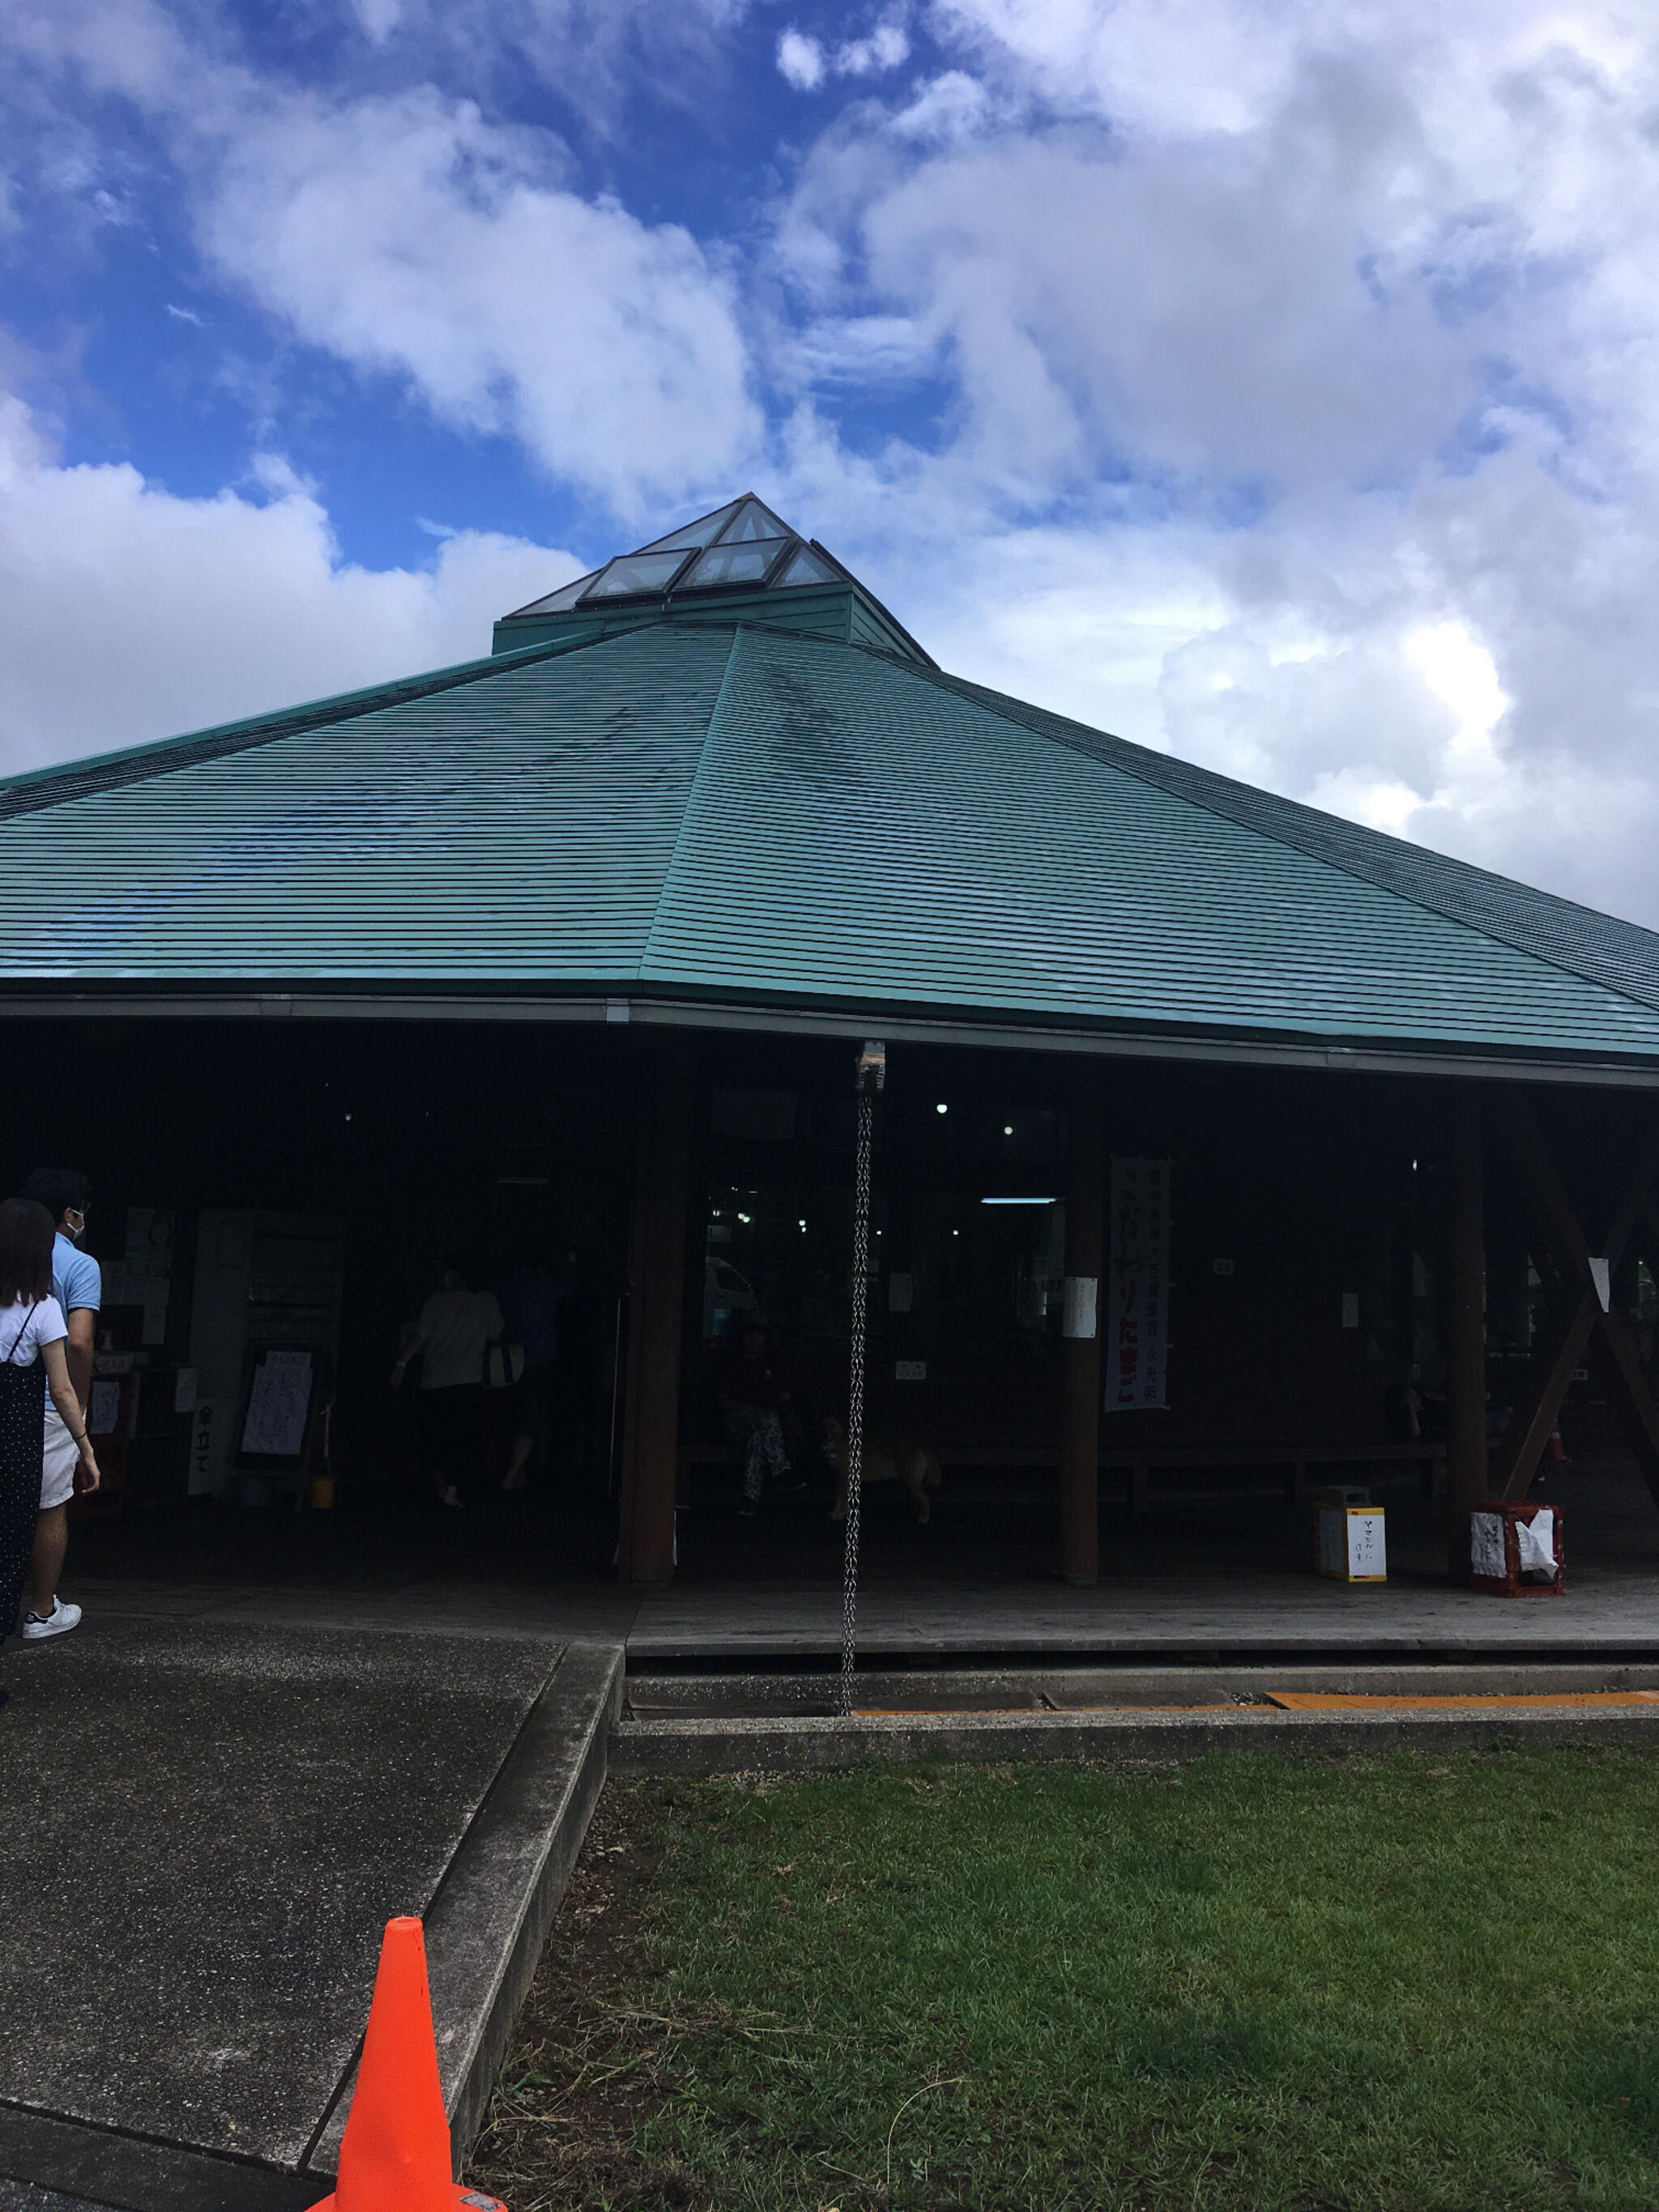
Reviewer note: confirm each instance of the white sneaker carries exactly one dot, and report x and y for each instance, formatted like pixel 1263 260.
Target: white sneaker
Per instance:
pixel 57 1622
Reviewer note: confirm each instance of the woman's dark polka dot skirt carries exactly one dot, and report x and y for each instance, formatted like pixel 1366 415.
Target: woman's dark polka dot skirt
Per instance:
pixel 22 1448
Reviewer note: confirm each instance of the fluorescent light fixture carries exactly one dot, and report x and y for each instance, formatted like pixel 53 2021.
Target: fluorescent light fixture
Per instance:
pixel 941 1108
pixel 1019 1201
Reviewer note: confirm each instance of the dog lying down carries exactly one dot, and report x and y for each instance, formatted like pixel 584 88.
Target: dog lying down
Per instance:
pixel 912 1464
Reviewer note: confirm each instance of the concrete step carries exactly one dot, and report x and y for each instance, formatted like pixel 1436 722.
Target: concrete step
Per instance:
pixel 692 1723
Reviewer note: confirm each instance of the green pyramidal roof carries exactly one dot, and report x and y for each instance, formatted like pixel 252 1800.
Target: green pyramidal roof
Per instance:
pixel 760 816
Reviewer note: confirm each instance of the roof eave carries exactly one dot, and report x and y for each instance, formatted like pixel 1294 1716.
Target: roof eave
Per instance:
pixel 626 1001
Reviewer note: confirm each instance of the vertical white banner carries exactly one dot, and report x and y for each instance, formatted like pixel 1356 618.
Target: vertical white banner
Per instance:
pixel 1138 1298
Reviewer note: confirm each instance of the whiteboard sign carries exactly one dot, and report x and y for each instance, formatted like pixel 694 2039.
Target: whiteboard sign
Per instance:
pixel 277 1404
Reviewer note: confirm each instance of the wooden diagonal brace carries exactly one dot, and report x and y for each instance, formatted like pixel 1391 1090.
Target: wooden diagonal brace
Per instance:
pixel 1516 1455
pixel 1516 1460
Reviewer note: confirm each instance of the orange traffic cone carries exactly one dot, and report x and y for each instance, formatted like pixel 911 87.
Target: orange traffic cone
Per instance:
pixel 394 2156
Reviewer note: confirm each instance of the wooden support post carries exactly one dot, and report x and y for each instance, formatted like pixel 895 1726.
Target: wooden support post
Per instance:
pixel 655 1322
pixel 1465 1331
pixel 1079 1416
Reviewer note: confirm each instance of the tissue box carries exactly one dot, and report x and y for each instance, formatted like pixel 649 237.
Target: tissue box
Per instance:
pixel 1515 1550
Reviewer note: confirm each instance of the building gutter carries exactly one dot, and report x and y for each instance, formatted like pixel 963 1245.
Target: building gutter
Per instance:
pixel 1450 1062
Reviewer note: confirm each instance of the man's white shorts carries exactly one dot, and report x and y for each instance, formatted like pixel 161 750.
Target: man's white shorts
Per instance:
pixel 57 1470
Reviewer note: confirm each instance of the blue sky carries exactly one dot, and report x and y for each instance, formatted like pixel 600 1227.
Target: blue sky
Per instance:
pixel 1269 380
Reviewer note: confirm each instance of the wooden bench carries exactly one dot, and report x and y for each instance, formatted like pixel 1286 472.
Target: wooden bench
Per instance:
pixel 1141 1466
pixel 1430 1459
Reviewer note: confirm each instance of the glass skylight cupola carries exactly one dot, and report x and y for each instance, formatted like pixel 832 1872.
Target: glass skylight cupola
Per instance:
pixel 713 569
pixel 740 546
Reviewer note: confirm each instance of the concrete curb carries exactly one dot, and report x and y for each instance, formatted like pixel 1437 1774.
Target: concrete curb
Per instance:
pixel 690 1747
pixel 47 2160
pixel 512 1865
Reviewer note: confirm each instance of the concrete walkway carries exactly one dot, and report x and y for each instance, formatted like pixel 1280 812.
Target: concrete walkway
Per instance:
pixel 220 1790
pixel 210 1822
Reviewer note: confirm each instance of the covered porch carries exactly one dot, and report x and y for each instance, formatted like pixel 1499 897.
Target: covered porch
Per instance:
pixel 1381 1276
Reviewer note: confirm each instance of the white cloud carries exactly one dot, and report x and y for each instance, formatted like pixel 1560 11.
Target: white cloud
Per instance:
pixel 801 61
pixel 950 106
pixel 1302 369
pixel 807 63
pixel 379 18
pixel 410 236
pixel 887 48
pixel 598 54
pixel 127 613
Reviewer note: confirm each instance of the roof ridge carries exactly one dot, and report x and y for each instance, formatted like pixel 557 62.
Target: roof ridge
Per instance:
pixel 672 870
pixel 1329 838
pixel 35 790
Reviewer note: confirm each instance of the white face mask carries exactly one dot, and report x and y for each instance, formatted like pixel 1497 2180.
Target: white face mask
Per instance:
pixel 75 1222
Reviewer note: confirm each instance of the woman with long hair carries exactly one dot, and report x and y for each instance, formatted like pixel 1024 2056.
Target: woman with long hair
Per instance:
pixel 32 1334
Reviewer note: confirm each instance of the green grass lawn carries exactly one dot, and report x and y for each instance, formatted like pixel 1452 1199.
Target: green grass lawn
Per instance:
pixel 1411 1982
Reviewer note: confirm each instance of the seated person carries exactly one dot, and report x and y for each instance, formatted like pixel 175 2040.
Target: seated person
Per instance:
pixel 752 1393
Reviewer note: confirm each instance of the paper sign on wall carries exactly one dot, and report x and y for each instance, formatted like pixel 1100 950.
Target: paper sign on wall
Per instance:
pixel 1082 1296
pixel 277 1406
pixel 1138 1291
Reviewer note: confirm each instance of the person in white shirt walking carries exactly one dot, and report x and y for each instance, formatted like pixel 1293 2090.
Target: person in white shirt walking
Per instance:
pixel 32 1336
pixel 456 1328
pixel 77 1283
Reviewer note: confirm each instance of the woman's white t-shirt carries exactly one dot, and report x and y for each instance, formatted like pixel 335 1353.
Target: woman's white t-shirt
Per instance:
pixel 23 1333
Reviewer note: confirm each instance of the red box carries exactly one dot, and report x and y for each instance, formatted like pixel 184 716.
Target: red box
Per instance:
pixel 1496 1564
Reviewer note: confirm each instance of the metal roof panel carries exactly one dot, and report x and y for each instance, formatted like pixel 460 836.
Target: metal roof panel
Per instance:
pixel 748 812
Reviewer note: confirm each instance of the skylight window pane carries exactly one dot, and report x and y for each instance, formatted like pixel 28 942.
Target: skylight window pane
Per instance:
pixel 567 596
pixel 703 531
pixel 807 568
pixel 753 520
pixel 733 564
pixel 634 575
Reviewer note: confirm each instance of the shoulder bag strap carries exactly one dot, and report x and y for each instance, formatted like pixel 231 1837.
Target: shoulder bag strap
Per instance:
pixel 5 1358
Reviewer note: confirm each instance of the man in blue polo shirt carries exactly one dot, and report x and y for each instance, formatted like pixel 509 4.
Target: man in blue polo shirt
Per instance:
pixel 77 1283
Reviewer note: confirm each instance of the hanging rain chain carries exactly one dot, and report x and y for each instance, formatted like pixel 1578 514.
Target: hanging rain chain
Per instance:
pixel 872 1074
